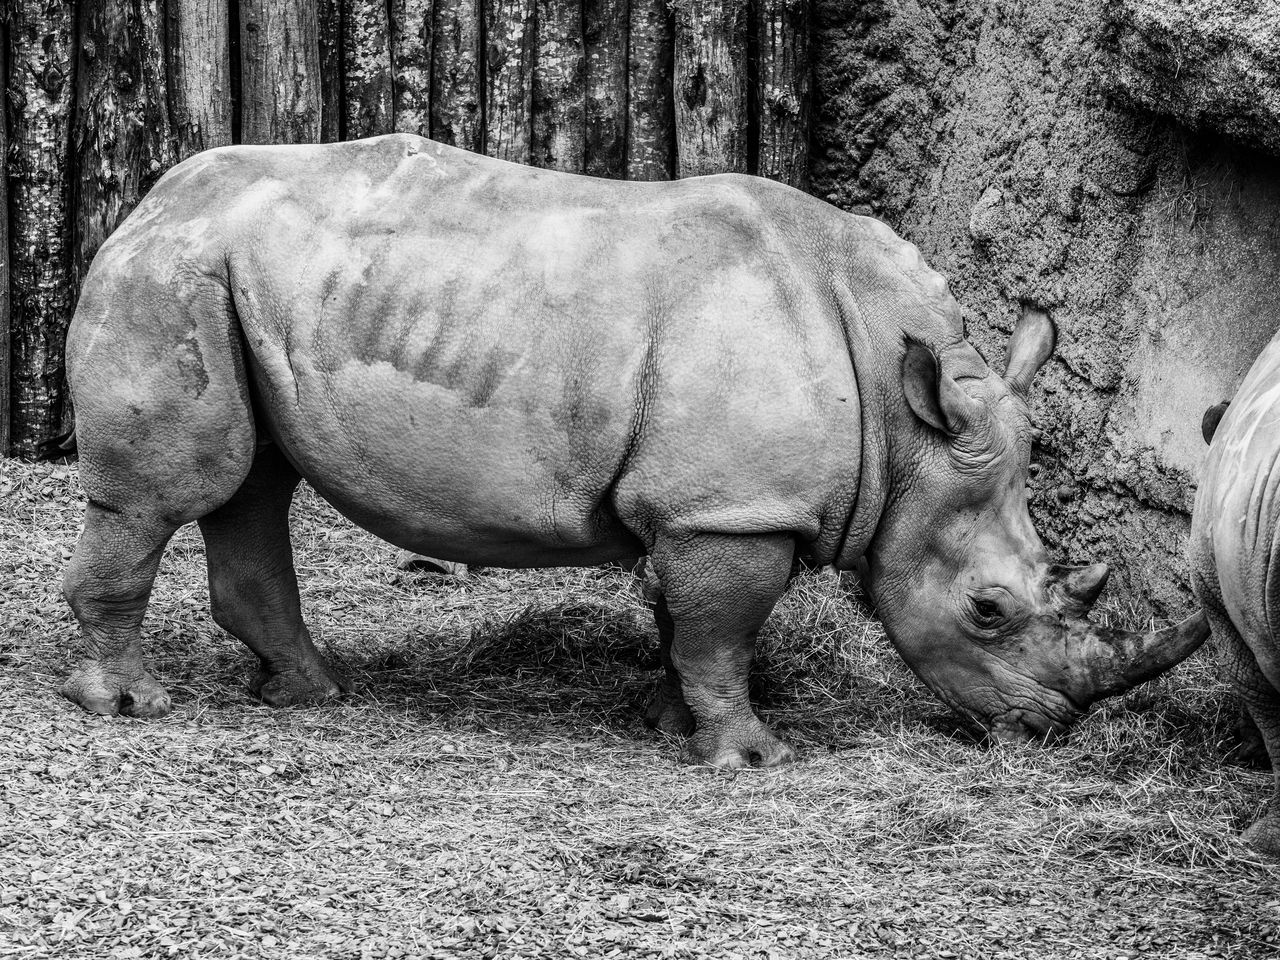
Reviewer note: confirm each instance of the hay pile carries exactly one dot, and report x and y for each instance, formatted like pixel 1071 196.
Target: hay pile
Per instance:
pixel 490 791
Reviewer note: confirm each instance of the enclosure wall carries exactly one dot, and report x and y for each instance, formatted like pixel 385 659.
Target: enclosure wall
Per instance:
pixel 997 138
pixel 1020 145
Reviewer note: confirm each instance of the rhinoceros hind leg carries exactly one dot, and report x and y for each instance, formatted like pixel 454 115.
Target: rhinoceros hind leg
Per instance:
pixel 253 589
pixel 1264 834
pixel 719 590
pixel 667 710
pixel 108 584
pixel 1262 701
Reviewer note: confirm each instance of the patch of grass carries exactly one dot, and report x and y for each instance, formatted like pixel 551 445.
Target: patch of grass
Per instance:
pixel 490 791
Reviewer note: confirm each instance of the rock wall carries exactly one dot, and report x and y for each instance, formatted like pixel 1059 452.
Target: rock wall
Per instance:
pixel 1212 64
pixel 1000 139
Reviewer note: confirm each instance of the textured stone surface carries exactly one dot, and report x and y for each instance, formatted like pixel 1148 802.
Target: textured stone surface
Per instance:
pixel 984 134
pixel 1210 64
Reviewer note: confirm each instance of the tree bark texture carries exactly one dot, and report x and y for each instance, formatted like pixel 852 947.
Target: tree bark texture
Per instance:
pixel 650 121
pixel 123 139
pixel 646 89
pixel 41 91
pixel 509 35
pixel 784 85
pixel 411 41
pixel 711 86
pixel 199 60
pixel 559 120
pixel 366 64
pixel 4 237
pixel 280 71
pixel 329 30
pixel 605 25
pixel 455 75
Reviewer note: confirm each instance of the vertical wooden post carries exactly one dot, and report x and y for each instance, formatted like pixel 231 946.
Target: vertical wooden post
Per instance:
pixel 366 63
pixel 456 115
pixel 605 25
pixel 280 71
pixel 329 32
pixel 559 122
pixel 784 91
pixel 42 88
pixel 4 237
pixel 199 60
pixel 650 121
pixel 123 139
pixel 411 41
pixel 711 86
pixel 509 36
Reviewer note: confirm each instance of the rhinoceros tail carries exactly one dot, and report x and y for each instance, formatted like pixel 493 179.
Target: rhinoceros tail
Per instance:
pixel 1212 417
pixel 61 447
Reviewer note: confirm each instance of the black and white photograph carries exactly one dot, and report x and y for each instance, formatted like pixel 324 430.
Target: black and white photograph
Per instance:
pixel 682 479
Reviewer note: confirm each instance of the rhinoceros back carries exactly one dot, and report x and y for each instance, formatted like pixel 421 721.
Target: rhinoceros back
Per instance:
pixel 1236 521
pixel 470 357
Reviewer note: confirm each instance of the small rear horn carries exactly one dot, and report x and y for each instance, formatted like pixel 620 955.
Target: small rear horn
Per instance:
pixel 1080 586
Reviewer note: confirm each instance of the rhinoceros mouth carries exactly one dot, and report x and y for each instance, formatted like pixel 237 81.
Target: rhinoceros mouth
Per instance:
pixel 1043 724
pixel 1026 726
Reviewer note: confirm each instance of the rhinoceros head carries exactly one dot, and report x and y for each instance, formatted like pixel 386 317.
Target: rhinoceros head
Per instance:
pixel 959 574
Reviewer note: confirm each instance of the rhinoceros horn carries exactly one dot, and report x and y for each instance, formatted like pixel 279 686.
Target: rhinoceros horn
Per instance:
pixel 1116 660
pixel 1079 586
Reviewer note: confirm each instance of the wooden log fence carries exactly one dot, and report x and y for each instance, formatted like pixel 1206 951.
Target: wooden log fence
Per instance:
pixel 41 90
pixel 103 97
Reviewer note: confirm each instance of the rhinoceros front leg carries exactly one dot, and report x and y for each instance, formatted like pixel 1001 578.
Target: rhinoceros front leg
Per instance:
pixel 719 590
pixel 253 589
pixel 108 584
pixel 1262 700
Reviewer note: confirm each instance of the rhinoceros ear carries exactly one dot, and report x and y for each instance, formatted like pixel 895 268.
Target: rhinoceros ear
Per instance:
pixel 933 396
pixel 1029 347
pixel 1212 417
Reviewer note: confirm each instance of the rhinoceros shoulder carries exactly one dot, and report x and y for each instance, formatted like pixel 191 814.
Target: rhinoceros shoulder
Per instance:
pixel 882 266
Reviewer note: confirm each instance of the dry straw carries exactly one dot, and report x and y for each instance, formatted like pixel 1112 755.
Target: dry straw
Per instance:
pixel 490 791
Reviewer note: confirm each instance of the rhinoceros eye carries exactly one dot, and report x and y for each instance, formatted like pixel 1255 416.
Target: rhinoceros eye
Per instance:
pixel 986 612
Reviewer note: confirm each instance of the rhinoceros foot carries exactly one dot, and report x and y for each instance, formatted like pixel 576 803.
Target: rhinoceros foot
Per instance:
pixel 737 746
pixel 668 712
pixel 126 690
pixel 315 682
pixel 1265 834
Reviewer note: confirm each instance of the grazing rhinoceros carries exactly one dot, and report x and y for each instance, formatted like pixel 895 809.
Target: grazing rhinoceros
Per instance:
pixel 1235 556
pixel 501 365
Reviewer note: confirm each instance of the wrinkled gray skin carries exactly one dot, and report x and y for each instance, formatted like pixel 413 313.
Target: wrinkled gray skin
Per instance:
pixel 500 365
pixel 1235 557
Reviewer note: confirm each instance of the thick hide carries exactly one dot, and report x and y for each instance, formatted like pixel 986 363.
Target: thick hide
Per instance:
pixel 493 364
pixel 1235 556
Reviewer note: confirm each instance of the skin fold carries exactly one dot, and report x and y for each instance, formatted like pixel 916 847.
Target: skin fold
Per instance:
pixel 504 366
pixel 1235 557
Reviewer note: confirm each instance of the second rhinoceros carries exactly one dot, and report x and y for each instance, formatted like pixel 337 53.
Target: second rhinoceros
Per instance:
pixel 507 366
pixel 1235 556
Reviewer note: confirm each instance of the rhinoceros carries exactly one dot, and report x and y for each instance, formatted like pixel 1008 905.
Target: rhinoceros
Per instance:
pixel 507 366
pixel 1235 557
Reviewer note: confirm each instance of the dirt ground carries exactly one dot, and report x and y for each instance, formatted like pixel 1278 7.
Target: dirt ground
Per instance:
pixel 490 791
